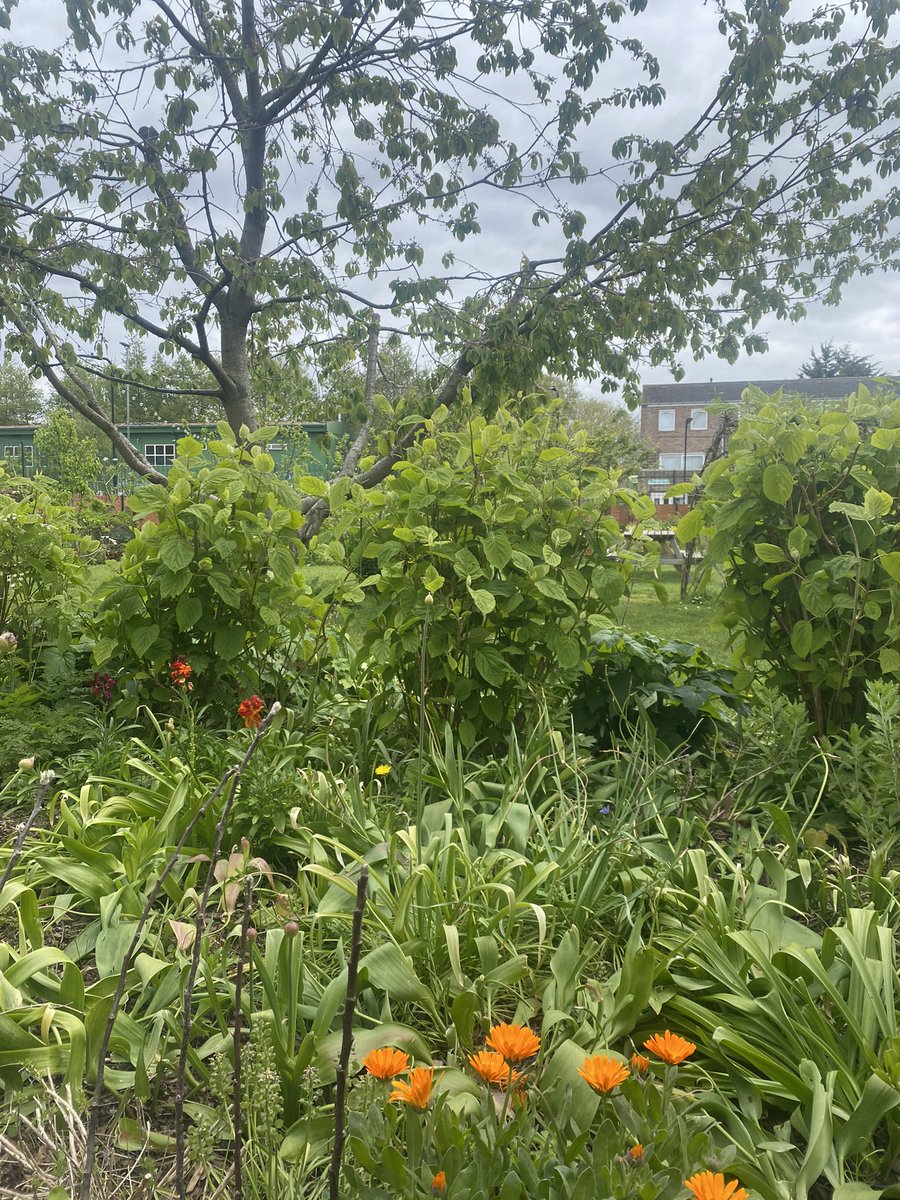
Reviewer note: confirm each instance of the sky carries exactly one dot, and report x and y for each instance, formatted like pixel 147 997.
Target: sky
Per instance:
pixel 692 54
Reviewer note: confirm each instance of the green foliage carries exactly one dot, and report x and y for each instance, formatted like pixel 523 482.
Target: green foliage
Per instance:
pixel 215 574
pixel 68 459
pixel 43 564
pixel 673 687
pixel 21 402
pixel 504 526
pixel 802 514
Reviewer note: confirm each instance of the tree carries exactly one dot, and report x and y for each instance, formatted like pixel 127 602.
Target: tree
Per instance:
pixel 613 433
pixel 66 457
pixel 833 361
pixel 337 133
pixel 21 400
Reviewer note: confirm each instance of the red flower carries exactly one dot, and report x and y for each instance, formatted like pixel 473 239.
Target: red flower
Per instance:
pixel 181 671
pixel 102 686
pixel 251 711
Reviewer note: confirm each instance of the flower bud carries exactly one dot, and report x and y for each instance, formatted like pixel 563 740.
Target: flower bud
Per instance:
pixel 8 642
pixel 26 764
pixel 170 725
pixel 47 777
pixel 252 934
pixel 429 599
pixel 291 928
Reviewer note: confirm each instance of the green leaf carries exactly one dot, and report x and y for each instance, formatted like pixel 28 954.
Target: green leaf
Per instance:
pixel 142 638
pixel 877 503
pixel 767 552
pixel 485 601
pixel 282 563
pixel 777 483
pixel 801 638
pixel 889 660
pixel 175 552
pixel 432 580
pixel 891 563
pixel 491 665
pixel 229 642
pixel 497 550
pixel 690 526
pixel 188 611
pixel 885 439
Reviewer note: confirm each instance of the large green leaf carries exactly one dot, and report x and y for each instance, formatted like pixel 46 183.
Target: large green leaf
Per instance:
pixel 777 483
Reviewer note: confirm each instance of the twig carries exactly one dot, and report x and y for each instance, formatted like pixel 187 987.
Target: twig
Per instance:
pixel 94 1118
pixel 236 1037
pixel 43 788
pixel 337 1154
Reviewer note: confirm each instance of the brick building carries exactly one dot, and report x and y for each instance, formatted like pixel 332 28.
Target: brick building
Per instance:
pixel 675 418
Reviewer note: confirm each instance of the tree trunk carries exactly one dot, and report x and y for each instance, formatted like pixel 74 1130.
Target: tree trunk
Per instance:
pixel 237 399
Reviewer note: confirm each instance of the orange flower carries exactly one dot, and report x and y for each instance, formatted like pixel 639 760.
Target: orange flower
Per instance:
pixel 514 1042
pixel 180 672
pixel 636 1153
pixel 707 1186
pixel 439 1183
pixel 251 711
pixel 493 1068
pixel 418 1091
pixel 603 1073
pixel 386 1062
pixel 670 1047
pixel 640 1063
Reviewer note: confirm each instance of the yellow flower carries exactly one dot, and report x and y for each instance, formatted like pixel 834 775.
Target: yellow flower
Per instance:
pixel 493 1068
pixel 670 1047
pixel 514 1042
pixel 386 1062
pixel 418 1091
pixel 439 1183
pixel 603 1073
pixel 640 1063
pixel 382 770
pixel 707 1186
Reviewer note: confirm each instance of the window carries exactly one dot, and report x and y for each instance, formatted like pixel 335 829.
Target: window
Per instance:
pixel 678 462
pixel 274 447
pixel 699 418
pixel 160 454
pixel 666 420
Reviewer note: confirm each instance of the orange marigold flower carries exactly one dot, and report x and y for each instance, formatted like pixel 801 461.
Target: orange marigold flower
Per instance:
pixel 636 1153
pixel 493 1068
pixel 418 1091
pixel 251 711
pixel 439 1183
pixel 640 1063
pixel 707 1186
pixel 670 1047
pixel 386 1062
pixel 514 1042
pixel 603 1073
pixel 180 672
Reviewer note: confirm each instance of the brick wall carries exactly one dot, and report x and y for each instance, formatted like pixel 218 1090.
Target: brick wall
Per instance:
pixel 698 441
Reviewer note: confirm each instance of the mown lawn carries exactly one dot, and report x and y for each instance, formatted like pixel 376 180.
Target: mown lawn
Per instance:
pixel 690 621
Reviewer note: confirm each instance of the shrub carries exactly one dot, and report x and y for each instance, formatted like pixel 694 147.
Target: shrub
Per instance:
pixel 802 514
pixel 215 575
pixel 503 528
pixel 633 678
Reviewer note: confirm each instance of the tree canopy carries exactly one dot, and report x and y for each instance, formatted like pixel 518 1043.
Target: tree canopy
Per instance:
pixel 222 177
pixel 21 401
pixel 831 361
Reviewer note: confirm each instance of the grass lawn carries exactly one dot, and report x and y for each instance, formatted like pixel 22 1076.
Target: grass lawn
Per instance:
pixel 690 621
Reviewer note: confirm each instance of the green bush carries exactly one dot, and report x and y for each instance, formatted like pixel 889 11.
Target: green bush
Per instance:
pixel 493 546
pixel 214 575
pixel 803 515
pixel 636 678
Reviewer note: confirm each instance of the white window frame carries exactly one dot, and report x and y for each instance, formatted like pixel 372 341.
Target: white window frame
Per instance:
pixel 699 419
pixel 664 426
pixel 160 454
pixel 670 462
pixel 694 462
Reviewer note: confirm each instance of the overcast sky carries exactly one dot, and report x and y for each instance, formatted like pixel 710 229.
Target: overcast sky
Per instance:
pixel 683 35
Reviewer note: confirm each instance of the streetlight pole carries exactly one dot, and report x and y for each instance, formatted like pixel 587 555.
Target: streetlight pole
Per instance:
pixel 687 426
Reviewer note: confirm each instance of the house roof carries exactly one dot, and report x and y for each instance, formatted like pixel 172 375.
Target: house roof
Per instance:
pixel 729 391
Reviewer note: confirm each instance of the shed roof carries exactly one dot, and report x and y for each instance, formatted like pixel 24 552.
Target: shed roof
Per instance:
pixel 729 391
